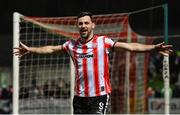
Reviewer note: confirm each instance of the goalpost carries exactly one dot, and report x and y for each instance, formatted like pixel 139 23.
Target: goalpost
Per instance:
pixel 15 63
pixel 44 84
pixel 166 74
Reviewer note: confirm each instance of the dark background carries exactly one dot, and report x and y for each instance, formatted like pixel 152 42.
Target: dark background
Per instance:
pixel 148 23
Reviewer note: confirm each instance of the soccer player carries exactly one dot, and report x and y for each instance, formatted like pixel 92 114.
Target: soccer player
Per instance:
pixel 90 56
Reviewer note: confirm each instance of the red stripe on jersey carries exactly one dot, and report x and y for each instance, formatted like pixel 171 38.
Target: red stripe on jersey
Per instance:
pixel 95 66
pixel 107 45
pixel 77 87
pixel 106 70
pixel 85 71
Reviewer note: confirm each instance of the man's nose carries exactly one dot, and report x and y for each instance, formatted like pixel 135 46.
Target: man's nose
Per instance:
pixel 83 25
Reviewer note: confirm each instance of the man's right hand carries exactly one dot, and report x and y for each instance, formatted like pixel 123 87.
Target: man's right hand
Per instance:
pixel 22 50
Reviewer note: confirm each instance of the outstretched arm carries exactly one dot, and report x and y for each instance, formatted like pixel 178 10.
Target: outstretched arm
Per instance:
pixel 23 49
pixel 137 47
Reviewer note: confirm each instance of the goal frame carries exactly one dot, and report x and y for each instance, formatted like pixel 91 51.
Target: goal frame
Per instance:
pixel 16 20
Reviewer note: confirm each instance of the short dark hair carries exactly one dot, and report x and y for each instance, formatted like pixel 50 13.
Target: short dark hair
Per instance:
pixel 82 14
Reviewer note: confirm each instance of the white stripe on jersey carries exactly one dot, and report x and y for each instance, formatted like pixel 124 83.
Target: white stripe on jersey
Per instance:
pixel 90 67
pixel 101 64
pixel 90 59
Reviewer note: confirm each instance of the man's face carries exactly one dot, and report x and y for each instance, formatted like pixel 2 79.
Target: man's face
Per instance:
pixel 85 26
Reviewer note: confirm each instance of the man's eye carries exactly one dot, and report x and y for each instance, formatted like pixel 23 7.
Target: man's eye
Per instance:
pixel 80 23
pixel 86 23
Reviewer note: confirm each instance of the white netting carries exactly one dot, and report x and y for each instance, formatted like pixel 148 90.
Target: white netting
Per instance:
pixel 44 81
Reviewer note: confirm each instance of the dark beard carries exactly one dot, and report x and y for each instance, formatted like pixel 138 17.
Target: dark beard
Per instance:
pixel 84 36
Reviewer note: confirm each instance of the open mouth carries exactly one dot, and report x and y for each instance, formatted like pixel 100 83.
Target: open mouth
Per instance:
pixel 83 33
pixel 83 30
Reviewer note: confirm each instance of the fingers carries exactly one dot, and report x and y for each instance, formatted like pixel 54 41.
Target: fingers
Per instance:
pixel 166 52
pixel 164 49
pixel 16 52
pixel 20 51
pixel 20 55
pixel 16 48
pixel 23 45
pixel 162 43
pixel 167 49
pixel 167 46
pixel 163 53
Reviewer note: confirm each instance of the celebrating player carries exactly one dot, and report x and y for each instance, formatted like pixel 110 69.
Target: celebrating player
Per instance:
pixel 90 56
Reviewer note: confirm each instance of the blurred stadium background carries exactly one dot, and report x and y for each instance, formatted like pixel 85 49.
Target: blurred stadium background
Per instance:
pixel 145 25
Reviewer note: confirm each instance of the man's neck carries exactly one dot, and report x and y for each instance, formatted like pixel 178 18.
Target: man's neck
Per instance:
pixel 85 40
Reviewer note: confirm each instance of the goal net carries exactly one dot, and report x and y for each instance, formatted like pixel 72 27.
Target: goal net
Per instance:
pixel 43 84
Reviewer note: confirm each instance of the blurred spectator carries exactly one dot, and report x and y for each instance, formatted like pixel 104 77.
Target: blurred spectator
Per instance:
pixel 39 88
pixel 157 92
pixel 62 89
pixel 177 67
pixel 49 89
pixel 32 90
pixel 46 89
pixel 10 93
pixel 150 92
pixel 177 62
pixel 6 99
pixel 5 93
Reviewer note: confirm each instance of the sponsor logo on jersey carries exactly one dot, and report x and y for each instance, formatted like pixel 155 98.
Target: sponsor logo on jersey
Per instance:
pixel 86 56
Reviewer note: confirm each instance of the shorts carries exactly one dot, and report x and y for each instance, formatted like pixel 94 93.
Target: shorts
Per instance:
pixel 90 105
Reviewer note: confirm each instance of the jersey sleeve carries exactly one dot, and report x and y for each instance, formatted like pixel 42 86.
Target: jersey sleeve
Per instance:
pixel 66 46
pixel 109 43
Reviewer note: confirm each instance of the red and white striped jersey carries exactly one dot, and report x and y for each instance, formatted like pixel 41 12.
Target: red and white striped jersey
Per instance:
pixel 91 65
